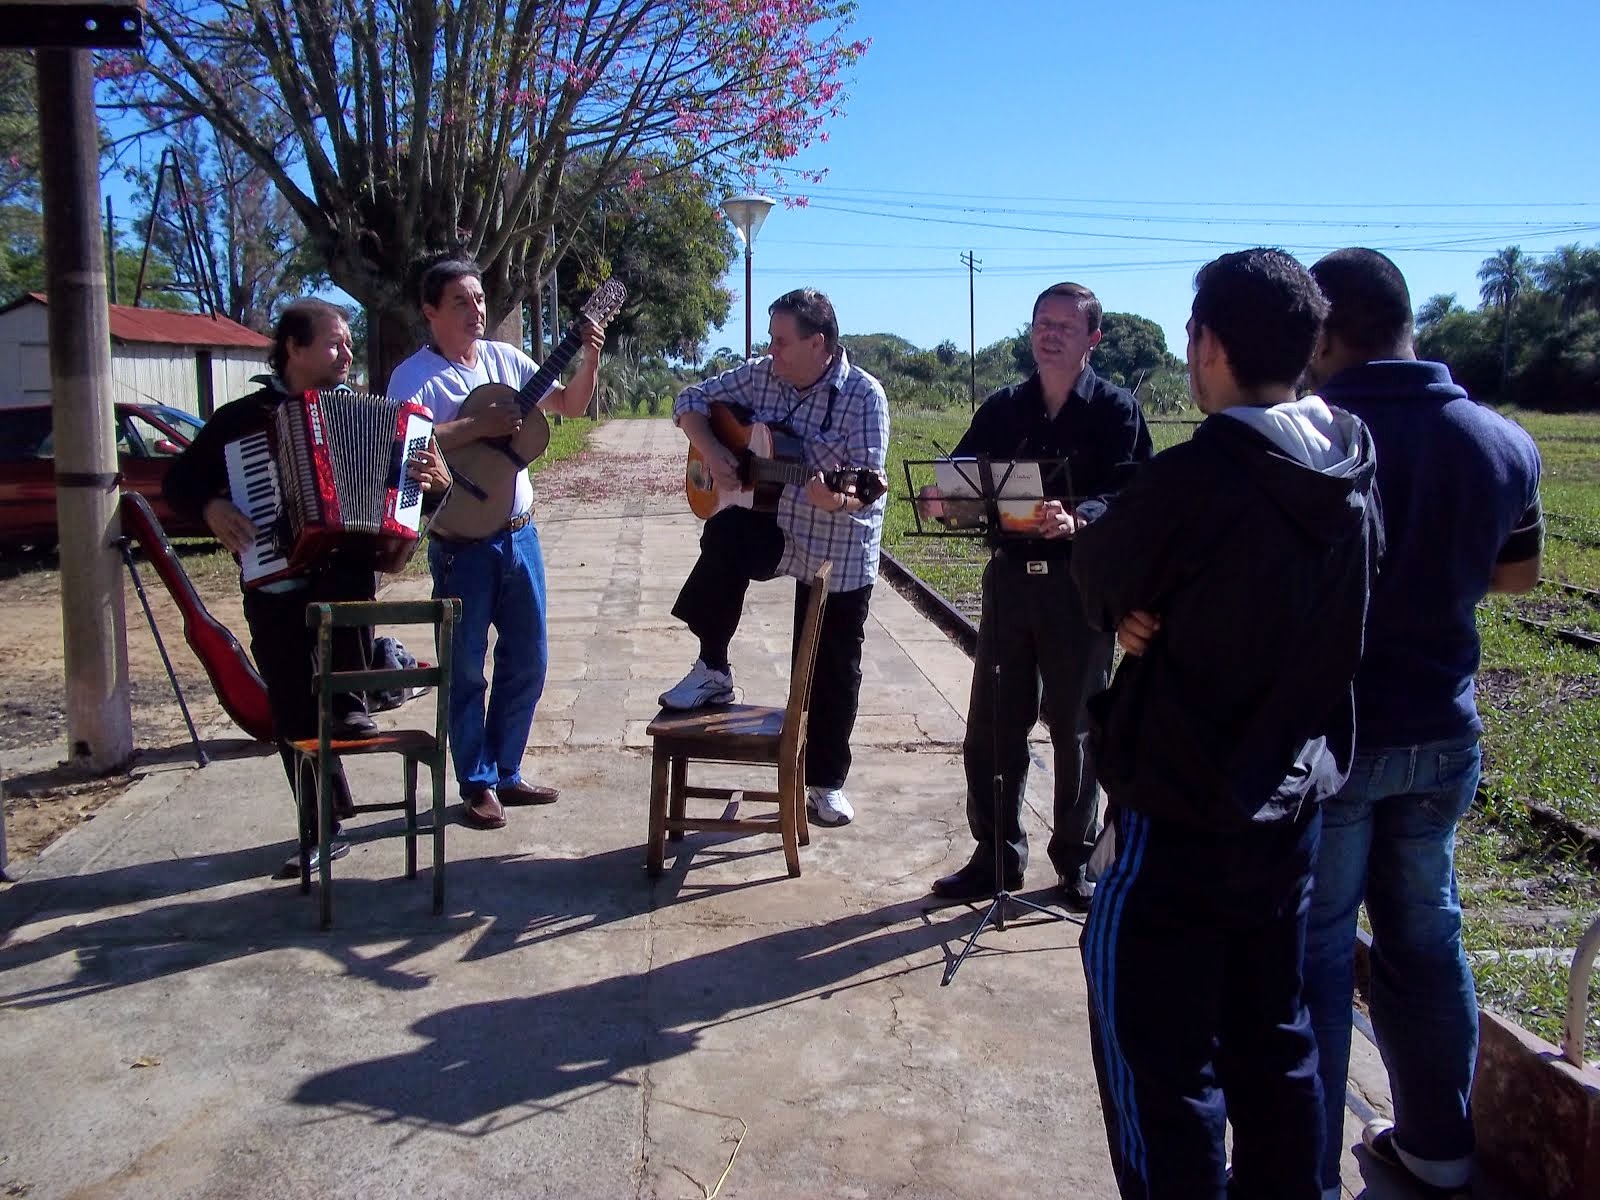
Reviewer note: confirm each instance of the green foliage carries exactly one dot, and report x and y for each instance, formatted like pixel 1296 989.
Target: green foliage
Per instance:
pixel 1535 341
pixel 19 131
pixel 1131 349
pixel 668 242
pixel 1132 352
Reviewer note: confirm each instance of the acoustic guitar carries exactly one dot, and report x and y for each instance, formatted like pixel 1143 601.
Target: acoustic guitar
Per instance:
pixel 484 472
pixel 769 460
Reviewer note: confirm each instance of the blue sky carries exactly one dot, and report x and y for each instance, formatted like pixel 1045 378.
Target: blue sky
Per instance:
pixel 1128 136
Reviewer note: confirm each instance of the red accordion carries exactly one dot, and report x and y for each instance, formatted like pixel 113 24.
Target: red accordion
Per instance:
pixel 328 478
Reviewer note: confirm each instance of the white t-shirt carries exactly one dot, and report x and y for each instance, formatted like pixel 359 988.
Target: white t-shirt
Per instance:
pixel 431 379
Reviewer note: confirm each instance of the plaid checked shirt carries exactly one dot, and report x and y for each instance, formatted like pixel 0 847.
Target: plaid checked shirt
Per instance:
pixel 855 435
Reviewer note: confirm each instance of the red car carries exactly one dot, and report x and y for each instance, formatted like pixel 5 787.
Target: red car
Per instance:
pixel 148 437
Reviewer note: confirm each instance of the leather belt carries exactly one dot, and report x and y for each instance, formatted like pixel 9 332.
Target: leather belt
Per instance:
pixel 521 521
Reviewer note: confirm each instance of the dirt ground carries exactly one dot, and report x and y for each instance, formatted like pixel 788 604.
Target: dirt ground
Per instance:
pixel 41 799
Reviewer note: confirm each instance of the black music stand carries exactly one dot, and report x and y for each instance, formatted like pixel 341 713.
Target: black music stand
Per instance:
pixel 987 478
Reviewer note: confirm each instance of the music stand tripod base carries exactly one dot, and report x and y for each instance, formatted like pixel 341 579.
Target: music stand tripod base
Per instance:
pixel 990 495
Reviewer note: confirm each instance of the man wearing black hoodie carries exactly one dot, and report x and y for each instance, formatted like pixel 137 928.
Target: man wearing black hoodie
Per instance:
pixel 1235 570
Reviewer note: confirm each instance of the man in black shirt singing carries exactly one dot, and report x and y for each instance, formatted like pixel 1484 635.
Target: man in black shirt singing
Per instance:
pixel 1033 622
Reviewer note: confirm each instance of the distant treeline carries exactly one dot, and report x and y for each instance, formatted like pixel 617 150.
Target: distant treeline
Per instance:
pixel 1533 341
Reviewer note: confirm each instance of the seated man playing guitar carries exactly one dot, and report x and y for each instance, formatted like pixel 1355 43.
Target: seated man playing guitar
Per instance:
pixel 838 417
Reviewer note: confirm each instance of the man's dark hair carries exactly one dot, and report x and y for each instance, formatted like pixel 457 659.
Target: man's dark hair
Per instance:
pixel 812 312
pixel 1369 305
pixel 298 324
pixel 1265 309
pixel 1088 303
pixel 442 274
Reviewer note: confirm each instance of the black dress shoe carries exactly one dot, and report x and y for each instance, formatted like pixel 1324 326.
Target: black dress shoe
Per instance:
pixel 291 865
pixel 1074 889
pixel 971 882
pixel 354 725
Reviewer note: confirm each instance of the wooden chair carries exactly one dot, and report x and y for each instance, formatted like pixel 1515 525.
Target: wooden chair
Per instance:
pixel 745 734
pixel 413 745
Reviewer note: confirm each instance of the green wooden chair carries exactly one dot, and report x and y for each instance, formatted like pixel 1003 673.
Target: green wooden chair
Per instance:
pixel 413 745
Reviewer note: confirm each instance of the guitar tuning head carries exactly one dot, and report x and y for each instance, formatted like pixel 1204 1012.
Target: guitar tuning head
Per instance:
pixel 606 302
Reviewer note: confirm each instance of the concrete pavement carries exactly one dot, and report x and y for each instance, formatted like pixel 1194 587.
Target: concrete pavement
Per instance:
pixel 173 1024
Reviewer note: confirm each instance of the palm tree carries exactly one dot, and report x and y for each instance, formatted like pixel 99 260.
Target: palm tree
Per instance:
pixel 1436 309
pixel 1573 274
pixel 1503 277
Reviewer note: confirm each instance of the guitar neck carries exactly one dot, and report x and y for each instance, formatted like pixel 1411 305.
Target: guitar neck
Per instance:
pixel 551 369
pixel 773 470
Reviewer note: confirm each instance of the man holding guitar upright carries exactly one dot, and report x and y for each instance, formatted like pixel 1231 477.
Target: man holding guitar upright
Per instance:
pixel 835 416
pixel 483 547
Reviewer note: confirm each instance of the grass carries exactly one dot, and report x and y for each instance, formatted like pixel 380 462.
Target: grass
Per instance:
pixel 1539 699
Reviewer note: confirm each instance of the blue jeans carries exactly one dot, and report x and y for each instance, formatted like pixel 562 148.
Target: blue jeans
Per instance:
pixel 1389 837
pixel 500 583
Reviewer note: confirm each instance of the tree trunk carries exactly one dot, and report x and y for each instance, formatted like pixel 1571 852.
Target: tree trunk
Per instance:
pixel 510 328
pixel 1505 353
pixel 392 337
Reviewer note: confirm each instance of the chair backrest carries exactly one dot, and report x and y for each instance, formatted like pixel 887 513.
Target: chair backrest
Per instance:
pixel 326 617
pixel 798 709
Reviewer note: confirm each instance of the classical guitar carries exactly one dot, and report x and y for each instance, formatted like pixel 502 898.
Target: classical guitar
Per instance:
pixel 232 674
pixel 485 471
pixel 769 460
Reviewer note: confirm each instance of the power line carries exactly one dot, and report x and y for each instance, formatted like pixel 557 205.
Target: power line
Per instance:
pixel 1322 204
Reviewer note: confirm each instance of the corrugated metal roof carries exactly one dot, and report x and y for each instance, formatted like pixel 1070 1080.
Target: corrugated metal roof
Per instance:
pixel 129 324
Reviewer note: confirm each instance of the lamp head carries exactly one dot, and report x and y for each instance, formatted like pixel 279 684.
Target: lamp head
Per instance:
pixel 747 212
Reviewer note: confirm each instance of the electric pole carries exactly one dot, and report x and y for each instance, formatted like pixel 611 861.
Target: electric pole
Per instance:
pixel 973 265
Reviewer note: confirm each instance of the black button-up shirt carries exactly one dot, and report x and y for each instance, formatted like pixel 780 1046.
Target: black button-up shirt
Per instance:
pixel 1099 434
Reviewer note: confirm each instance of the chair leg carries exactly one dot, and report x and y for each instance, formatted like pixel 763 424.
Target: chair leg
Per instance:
pixel 788 825
pixel 302 819
pixel 680 780
pixel 802 822
pixel 656 847
pixel 325 841
pixel 437 773
pixel 411 817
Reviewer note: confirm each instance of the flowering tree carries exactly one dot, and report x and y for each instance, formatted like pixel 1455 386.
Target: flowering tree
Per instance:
pixel 399 129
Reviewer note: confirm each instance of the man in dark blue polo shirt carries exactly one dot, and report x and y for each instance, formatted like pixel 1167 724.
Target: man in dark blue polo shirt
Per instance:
pixel 1460 498
pixel 1033 622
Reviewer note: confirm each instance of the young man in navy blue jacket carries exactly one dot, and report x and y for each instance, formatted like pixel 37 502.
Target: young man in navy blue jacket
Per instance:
pixel 1235 569
pixel 1461 518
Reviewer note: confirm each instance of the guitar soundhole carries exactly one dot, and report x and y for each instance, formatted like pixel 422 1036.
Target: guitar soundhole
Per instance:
pixel 697 475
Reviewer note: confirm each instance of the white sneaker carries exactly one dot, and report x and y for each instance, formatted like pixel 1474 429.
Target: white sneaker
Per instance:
pixel 701 686
pixel 830 806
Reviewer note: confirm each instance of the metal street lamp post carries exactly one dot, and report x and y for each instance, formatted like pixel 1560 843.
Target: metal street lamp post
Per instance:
pixel 747 212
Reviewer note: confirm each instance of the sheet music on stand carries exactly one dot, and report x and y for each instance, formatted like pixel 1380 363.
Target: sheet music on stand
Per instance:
pixel 983 497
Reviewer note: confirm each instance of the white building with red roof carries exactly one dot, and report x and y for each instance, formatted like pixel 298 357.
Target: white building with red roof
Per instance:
pixel 187 360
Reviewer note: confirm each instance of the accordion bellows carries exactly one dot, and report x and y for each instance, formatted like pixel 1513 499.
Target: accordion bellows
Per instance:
pixel 338 483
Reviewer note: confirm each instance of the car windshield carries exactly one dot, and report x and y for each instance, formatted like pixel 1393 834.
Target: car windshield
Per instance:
pixel 182 422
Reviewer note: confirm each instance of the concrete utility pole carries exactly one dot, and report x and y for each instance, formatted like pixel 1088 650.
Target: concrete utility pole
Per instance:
pixel 94 636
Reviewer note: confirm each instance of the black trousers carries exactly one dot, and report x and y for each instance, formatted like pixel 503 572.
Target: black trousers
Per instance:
pixel 738 546
pixel 1192 954
pixel 285 650
pixel 1033 628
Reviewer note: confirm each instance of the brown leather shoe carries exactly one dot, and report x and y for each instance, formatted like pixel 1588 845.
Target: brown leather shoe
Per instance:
pixel 522 792
pixel 483 810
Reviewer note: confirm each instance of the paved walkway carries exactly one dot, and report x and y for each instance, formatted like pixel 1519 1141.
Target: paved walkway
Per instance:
pixel 173 1024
